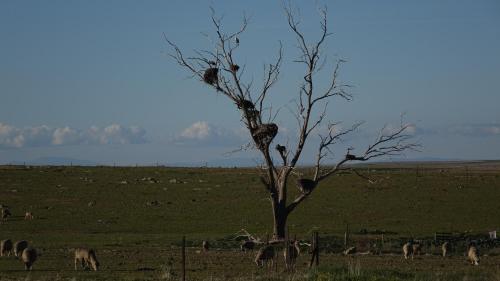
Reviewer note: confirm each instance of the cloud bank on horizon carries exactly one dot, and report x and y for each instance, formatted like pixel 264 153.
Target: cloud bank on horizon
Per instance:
pixel 200 133
pixel 40 136
pixel 131 145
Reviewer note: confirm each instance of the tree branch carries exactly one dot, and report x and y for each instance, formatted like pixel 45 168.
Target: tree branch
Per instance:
pixel 326 142
pixel 387 144
pixel 271 76
pixel 309 55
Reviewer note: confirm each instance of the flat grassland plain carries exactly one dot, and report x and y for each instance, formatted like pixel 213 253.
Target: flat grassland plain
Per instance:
pixel 135 218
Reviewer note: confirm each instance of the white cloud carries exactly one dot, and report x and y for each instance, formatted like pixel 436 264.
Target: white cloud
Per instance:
pixel 9 136
pixel 65 136
pixel 199 131
pixel 12 137
pixel 204 133
pixel 117 134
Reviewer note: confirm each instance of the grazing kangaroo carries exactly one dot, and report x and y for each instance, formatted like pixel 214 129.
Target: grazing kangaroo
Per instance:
pixel 473 255
pixel 265 255
pixel 28 257
pixel 408 250
pixel 5 247
pixel 87 258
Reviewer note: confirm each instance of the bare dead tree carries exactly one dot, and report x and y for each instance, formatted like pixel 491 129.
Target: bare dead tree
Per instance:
pixel 218 69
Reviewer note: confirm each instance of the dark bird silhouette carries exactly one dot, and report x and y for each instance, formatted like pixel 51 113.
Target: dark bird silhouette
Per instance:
pixel 281 149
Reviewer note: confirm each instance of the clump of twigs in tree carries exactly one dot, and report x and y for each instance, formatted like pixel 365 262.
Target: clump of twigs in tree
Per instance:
pixel 211 76
pixel 264 134
pixel 250 111
pixel 245 104
pixel 254 117
pixel 306 185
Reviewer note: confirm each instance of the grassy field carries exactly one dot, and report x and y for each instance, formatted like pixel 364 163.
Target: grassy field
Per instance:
pixel 135 218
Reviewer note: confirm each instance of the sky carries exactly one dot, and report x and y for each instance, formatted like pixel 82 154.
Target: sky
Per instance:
pixel 92 80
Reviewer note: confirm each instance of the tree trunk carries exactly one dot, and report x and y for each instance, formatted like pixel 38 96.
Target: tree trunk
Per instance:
pixel 280 218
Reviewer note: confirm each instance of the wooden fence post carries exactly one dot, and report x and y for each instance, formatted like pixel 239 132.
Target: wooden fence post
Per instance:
pixel 383 243
pixel 416 175
pixel 346 236
pixel 287 251
pixel 183 254
pixel 315 250
pixel 466 176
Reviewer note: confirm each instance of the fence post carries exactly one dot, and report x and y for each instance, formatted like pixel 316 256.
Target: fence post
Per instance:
pixel 313 249
pixel 466 176
pixel 383 243
pixel 317 249
pixel 416 176
pixel 183 254
pixel 287 251
pixel 346 236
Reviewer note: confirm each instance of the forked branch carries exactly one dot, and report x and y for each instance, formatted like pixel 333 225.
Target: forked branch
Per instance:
pixel 387 144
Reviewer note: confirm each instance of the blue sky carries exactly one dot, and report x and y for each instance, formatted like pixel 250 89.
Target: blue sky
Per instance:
pixel 92 80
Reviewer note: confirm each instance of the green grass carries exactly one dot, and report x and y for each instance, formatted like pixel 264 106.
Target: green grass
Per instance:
pixel 139 224
pixel 356 273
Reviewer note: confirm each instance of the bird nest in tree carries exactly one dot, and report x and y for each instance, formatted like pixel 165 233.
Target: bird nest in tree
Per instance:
pixel 264 134
pixel 211 76
pixel 249 109
pixel 306 185
pixel 245 104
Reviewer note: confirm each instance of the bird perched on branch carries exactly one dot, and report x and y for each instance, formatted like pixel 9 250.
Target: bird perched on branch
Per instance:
pixel 234 67
pixel 350 156
pixel 281 149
